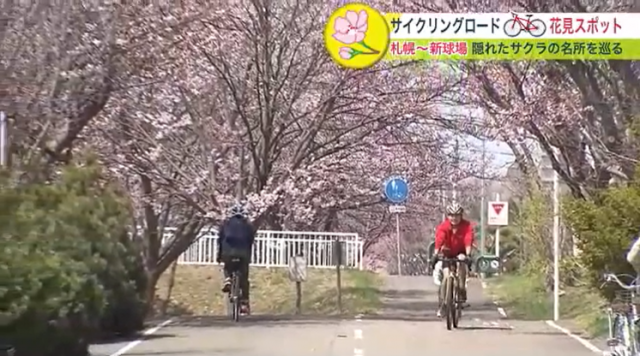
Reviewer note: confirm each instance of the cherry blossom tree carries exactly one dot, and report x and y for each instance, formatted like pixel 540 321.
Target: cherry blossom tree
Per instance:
pixel 195 106
pixel 242 102
pixel 60 65
pixel 585 124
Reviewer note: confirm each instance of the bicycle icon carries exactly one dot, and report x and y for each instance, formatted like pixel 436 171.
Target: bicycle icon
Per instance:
pixel 516 25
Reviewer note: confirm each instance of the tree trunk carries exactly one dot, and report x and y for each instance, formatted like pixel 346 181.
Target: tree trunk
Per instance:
pixel 172 280
pixel 150 293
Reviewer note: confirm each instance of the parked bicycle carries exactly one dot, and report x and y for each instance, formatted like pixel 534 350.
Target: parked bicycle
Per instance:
pixel 622 317
pixel 451 305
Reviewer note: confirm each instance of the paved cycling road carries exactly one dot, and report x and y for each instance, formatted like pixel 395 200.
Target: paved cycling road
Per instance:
pixel 406 327
pixel 483 331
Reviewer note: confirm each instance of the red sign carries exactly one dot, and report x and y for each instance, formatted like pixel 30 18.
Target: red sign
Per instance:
pixel 497 208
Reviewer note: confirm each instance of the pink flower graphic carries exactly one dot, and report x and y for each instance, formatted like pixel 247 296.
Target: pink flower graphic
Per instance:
pixel 351 28
pixel 345 52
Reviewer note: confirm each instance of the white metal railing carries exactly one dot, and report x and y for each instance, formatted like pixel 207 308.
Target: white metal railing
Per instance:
pixel 274 248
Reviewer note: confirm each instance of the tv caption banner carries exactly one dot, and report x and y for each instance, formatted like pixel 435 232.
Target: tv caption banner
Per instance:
pixel 357 36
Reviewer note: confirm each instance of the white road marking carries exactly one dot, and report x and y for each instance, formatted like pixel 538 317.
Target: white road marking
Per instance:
pixel 502 312
pixel 357 334
pixel 582 341
pixel 126 348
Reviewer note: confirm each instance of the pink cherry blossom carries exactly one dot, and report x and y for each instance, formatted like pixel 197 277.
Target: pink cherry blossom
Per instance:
pixel 345 53
pixel 351 28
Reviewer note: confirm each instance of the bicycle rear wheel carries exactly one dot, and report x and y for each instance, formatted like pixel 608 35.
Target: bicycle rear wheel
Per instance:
pixel 448 301
pixel 235 296
pixel 512 28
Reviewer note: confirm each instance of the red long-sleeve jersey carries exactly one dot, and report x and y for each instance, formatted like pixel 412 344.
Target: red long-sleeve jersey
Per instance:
pixel 457 242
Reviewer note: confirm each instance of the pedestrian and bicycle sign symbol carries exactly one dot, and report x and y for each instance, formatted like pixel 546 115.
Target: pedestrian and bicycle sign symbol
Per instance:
pixel 488 264
pixel 396 189
pixel 498 213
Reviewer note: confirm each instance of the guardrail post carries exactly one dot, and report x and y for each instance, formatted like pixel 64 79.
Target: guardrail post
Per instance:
pixel 215 238
pixel 360 247
pixel 268 250
pixel 281 248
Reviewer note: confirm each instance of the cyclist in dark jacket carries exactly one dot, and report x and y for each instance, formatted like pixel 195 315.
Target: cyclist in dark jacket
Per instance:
pixel 235 242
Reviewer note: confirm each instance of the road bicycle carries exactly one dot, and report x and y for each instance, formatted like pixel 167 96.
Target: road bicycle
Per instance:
pixel 622 317
pixel 451 305
pixel 516 25
pixel 235 293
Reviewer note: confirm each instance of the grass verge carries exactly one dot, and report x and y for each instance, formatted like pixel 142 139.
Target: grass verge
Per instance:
pixel 197 291
pixel 524 298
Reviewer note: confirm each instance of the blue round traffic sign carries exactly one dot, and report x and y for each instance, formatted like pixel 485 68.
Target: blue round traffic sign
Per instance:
pixel 396 189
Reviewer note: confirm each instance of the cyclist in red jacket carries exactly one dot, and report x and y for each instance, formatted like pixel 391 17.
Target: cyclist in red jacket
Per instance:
pixel 454 238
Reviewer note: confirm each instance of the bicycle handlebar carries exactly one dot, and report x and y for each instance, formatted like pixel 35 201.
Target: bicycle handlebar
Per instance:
pixel 610 277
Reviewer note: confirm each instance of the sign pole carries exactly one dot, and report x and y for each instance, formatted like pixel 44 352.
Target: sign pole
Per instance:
pixel 398 243
pixel 498 232
pixel 556 249
pixel 3 139
pixel 396 192
pixel 483 201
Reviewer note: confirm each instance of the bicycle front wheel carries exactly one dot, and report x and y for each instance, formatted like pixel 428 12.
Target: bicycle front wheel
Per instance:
pixel 448 301
pixel 538 28
pixel 456 312
pixel 624 335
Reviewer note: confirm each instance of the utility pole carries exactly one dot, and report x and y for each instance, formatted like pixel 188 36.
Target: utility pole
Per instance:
pixel 556 248
pixel 456 157
pixel 483 202
pixel 443 201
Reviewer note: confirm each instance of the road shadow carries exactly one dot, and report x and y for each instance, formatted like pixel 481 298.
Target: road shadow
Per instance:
pixel 288 320
pixel 114 339
pixel 407 293
pixel 424 316
pixel 421 305
pixel 224 321
pixel 463 328
pixel 543 333
pixel 180 353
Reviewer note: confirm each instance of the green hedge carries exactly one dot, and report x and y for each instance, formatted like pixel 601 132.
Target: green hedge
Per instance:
pixel 68 268
pixel 605 228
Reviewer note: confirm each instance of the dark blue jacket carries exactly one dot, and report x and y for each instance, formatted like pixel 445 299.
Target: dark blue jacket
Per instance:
pixel 236 232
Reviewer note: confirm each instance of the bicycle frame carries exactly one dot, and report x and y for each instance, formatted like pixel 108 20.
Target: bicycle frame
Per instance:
pixel 520 20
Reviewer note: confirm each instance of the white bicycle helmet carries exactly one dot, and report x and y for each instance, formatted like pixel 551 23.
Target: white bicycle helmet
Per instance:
pixel 454 209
